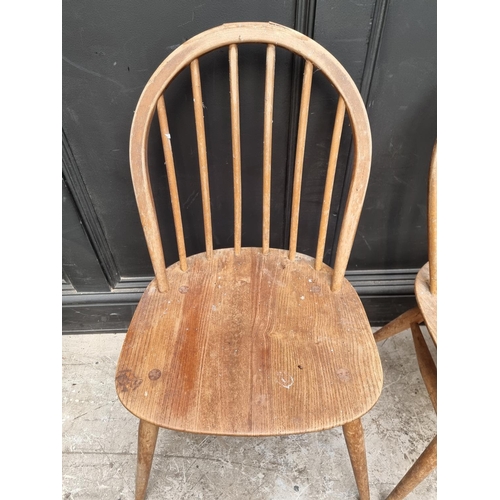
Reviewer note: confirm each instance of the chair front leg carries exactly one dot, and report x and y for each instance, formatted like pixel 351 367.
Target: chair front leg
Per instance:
pixel 145 451
pixel 354 438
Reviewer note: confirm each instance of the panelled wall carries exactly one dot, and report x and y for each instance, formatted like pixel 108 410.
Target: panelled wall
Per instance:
pixel 109 52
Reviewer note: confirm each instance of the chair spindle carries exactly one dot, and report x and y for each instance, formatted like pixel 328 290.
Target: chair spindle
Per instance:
pixel 202 154
pixel 235 135
pixel 330 177
pixel 268 143
pixel 299 156
pixel 172 181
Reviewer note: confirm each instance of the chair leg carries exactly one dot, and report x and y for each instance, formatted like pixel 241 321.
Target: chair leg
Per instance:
pixel 354 438
pixel 422 467
pixel 426 364
pixel 145 451
pixel 399 324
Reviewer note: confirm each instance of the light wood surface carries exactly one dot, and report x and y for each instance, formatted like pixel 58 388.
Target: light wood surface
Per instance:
pixel 172 181
pixel 202 154
pixel 237 33
pixel 250 341
pixel 268 146
pixel 355 441
pixel 235 136
pixel 399 324
pixel 427 302
pixel 146 444
pixel 330 177
pixel 249 345
pixel 299 157
pixel 432 222
pixel 426 364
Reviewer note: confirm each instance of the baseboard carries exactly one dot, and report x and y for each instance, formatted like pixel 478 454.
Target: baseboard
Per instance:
pixel 99 312
pixel 385 294
pixel 383 308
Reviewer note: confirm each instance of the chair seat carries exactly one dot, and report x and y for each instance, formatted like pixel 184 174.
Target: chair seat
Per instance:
pixel 427 302
pixel 249 345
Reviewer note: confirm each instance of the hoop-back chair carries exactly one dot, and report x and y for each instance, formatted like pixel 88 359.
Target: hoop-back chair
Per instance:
pixel 426 312
pixel 249 341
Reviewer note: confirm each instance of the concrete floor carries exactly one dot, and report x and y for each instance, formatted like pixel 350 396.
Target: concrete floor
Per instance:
pixel 99 440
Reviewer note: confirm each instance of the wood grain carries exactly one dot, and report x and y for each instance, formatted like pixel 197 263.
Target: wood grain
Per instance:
pixel 249 345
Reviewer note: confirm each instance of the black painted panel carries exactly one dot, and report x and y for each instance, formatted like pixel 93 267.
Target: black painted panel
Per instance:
pixel 381 309
pixel 110 49
pixel 102 318
pixel 81 268
pixel 402 109
pixel 344 29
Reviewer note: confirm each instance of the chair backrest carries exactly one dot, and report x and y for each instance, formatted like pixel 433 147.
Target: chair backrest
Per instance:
pixel 152 100
pixel 432 221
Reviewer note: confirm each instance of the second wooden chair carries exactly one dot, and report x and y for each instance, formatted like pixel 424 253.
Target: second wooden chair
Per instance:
pixel 426 312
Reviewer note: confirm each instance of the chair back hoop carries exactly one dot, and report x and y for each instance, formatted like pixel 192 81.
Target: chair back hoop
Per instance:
pixel 432 221
pixel 232 35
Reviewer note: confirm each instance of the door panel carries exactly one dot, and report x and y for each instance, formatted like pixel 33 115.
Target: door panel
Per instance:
pixel 111 49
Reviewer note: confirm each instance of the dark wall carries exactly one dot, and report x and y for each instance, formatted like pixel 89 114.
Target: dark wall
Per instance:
pixel 109 52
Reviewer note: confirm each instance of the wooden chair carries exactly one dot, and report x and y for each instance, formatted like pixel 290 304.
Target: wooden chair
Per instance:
pixel 426 311
pixel 249 341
